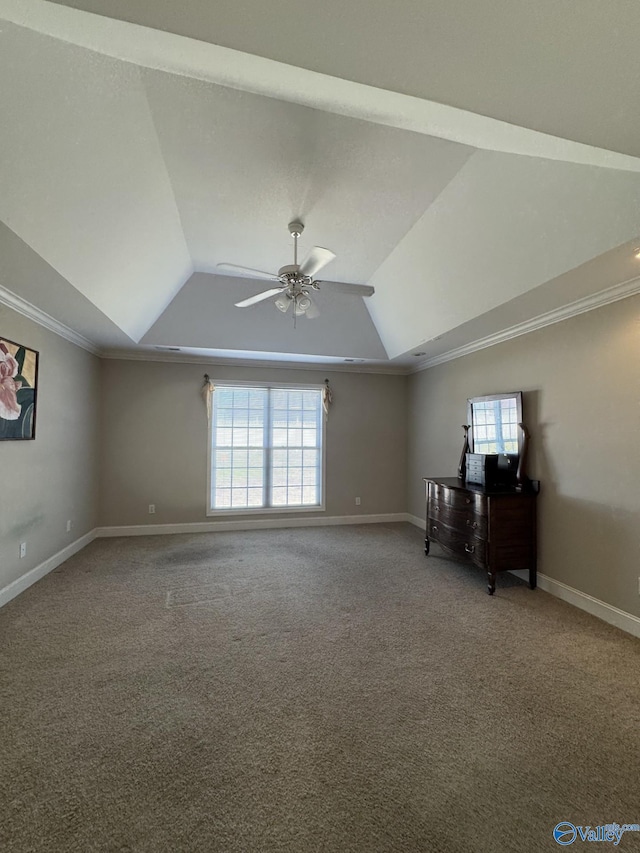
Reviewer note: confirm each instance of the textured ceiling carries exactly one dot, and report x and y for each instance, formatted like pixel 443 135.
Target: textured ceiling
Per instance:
pixel 134 161
pixel 571 68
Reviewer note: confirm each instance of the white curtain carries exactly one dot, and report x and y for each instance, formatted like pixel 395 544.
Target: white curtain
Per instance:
pixel 327 397
pixel 207 393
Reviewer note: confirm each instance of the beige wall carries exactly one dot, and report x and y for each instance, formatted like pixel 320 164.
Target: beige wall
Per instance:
pixel 581 384
pixel 45 482
pixel 154 447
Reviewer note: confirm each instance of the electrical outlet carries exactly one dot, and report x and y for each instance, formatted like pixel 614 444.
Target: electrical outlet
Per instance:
pixel 152 509
pixel 357 501
pixel 69 525
pixel 23 549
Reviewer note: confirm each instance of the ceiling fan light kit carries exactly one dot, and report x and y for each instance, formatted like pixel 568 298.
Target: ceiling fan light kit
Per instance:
pixel 283 302
pixel 295 281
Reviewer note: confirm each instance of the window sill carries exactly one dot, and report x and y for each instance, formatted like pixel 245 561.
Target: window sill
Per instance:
pixel 271 510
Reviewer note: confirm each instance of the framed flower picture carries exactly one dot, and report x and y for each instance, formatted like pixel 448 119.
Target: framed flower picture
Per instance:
pixel 18 391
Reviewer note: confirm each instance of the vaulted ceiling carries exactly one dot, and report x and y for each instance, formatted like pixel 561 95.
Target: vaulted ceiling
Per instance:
pixel 478 170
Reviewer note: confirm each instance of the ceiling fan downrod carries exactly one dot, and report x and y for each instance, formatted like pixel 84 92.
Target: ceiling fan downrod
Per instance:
pixel 295 229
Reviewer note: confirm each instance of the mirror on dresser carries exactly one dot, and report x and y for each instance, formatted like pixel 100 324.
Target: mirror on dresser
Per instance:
pixel 487 515
pixel 496 441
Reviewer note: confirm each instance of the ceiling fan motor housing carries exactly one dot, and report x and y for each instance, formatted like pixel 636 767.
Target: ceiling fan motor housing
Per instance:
pixel 290 274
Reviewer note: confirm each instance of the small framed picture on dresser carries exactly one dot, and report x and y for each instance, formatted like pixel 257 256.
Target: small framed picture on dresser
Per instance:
pixel 18 391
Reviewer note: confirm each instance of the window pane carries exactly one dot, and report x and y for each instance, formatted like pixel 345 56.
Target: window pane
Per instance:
pixel 309 495
pixel 240 477
pixel 309 437
pixel 279 420
pixel 309 457
pixel 279 438
pixel 295 476
pixel 255 459
pixel 223 478
pixel 256 437
pixel 241 418
pixel 278 399
pixel 279 476
pixel 223 458
pixel 309 476
pixel 238 497
pixel 223 437
pixel 279 458
pixel 223 398
pixel 295 438
pixel 255 477
pixel 255 497
pixel 240 399
pixel 223 498
pixel 295 458
pixel 240 437
pixel 279 497
pixel 294 495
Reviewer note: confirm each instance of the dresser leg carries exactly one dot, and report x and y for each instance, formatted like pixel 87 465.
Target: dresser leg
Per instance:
pixel 427 545
pixel 533 580
pixel 491 588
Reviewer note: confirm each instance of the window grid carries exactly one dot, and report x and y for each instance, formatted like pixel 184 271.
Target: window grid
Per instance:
pixel 495 427
pixel 266 448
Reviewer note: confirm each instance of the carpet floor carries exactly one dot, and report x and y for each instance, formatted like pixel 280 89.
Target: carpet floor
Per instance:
pixel 307 690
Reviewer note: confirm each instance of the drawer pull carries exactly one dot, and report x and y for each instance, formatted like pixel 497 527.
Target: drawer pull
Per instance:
pixel 469 548
pixel 436 509
pixel 467 500
pixel 473 524
pixel 434 529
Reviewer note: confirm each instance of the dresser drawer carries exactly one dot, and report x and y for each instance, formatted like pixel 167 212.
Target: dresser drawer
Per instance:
pixel 466 511
pixel 458 542
pixel 457 498
pixel 493 529
pixel 467 521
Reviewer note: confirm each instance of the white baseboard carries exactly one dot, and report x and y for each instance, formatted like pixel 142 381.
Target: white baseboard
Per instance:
pixel 20 584
pixel 248 524
pixel 607 612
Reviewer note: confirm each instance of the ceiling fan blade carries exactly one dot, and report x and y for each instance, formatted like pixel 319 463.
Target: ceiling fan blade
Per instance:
pixel 312 311
pixel 247 272
pixel 252 300
pixel 344 287
pixel 316 260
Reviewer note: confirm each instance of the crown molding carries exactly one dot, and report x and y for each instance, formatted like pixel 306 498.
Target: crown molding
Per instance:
pixel 189 358
pixel 581 306
pixel 21 306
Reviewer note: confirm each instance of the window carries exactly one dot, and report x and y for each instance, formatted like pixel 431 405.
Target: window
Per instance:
pixel 266 448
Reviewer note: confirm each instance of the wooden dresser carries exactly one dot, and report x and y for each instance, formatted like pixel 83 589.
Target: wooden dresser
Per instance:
pixel 494 530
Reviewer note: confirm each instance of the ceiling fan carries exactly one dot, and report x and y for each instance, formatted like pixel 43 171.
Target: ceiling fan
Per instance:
pixel 296 281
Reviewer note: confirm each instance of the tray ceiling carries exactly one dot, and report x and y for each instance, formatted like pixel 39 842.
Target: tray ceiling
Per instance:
pixel 135 161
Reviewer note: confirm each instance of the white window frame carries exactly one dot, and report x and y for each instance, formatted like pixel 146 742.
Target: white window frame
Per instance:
pixel 267 510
